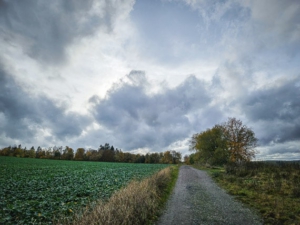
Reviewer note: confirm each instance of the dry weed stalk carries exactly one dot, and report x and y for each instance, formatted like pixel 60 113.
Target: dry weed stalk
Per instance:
pixel 136 203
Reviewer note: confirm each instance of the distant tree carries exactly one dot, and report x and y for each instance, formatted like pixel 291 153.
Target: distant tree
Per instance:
pixel 26 153
pixel 108 153
pixel 190 159
pixel 147 158
pixel 155 158
pixel 88 154
pixel 241 140
pixel 104 153
pixel 105 147
pixel 38 152
pixel 128 157
pixel 168 159
pixel 18 151
pixel 119 156
pixel 57 154
pixel 5 151
pixel 140 159
pixel 80 154
pixel 176 157
pixel 161 157
pixel 93 155
pixel 31 153
pixel 229 142
pixel 49 153
pixel 186 160
pixel 211 146
pixel 68 153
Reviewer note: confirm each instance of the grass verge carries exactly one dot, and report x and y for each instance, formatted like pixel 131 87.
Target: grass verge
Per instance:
pixel 272 189
pixel 139 202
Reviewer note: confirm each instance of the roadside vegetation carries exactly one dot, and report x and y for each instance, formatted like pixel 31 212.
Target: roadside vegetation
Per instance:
pixel 34 191
pixel 226 152
pixel 272 188
pixel 140 202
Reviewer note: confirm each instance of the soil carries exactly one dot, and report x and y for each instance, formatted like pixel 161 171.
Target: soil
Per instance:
pixel 196 199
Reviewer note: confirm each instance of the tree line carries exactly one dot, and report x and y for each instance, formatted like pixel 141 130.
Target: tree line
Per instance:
pixel 105 153
pixel 230 142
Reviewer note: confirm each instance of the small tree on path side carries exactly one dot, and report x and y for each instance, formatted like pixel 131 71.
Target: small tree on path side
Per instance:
pixel 228 142
pixel 241 140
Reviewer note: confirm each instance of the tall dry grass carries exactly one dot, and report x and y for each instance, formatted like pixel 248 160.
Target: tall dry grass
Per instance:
pixel 137 203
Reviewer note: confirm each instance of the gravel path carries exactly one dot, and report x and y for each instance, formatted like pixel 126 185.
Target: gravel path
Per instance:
pixel 196 199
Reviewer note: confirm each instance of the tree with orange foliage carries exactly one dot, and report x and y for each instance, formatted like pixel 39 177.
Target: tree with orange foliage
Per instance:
pixel 229 142
pixel 241 140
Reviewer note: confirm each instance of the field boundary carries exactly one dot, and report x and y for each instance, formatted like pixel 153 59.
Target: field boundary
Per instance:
pixel 41 191
pixel 140 202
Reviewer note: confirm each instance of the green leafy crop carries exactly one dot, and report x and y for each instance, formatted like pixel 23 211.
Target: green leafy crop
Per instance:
pixel 36 190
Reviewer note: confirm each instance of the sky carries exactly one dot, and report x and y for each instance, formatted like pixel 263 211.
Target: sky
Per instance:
pixel 145 75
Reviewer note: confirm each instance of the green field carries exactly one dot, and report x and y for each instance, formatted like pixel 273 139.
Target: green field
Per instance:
pixel 36 190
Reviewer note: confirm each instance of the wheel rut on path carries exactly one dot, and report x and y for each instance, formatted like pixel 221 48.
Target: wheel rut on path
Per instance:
pixel 196 199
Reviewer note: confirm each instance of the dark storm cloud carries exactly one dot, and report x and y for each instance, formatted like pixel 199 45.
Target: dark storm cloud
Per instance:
pixel 278 109
pixel 22 115
pixel 61 123
pixel 45 28
pixel 13 108
pixel 140 119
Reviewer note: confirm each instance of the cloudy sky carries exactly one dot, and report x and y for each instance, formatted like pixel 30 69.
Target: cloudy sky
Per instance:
pixel 145 75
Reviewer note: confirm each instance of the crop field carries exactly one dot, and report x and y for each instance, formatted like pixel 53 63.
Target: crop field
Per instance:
pixel 34 191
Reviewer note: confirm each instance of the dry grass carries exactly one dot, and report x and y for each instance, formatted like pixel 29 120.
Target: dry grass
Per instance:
pixel 273 188
pixel 137 203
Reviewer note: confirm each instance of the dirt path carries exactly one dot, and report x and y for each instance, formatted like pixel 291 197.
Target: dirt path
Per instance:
pixel 196 199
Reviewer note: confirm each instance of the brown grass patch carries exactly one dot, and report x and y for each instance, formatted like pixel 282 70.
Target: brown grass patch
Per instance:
pixel 137 203
pixel 272 188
